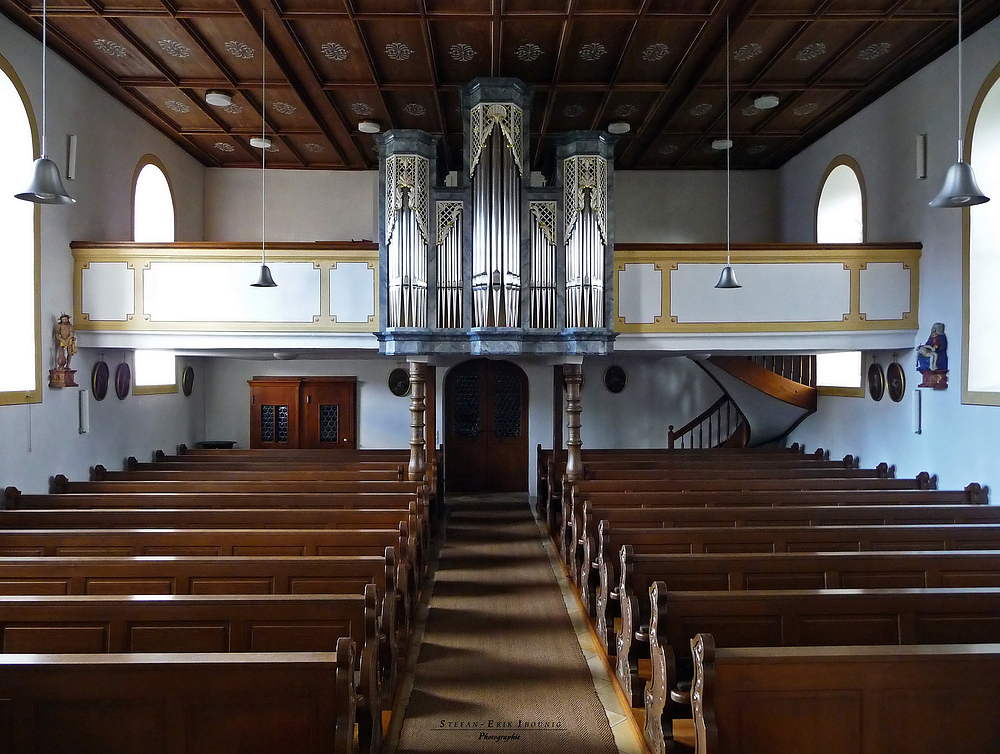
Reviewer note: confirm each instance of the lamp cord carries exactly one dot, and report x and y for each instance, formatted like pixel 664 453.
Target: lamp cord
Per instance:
pixel 960 140
pixel 263 136
pixel 729 148
pixel 44 45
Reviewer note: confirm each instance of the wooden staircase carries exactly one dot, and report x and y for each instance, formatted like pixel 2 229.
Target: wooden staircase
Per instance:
pixel 763 399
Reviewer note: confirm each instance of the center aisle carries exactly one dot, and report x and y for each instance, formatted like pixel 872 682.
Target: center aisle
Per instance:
pixel 500 666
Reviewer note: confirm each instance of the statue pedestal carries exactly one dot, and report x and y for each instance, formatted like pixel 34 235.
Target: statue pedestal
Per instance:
pixel 62 377
pixel 936 380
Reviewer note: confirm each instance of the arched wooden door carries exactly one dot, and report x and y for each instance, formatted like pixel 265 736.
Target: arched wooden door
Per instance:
pixel 486 427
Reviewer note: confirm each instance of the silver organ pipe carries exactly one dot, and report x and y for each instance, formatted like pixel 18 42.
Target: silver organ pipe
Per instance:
pixel 449 264
pixel 543 264
pixel 407 188
pixel 496 268
pixel 585 189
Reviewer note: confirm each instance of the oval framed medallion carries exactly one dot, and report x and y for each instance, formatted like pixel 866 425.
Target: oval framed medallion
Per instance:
pixel 187 380
pixel 399 382
pixel 123 381
pixel 99 380
pixel 876 382
pixel 895 381
pixel 615 379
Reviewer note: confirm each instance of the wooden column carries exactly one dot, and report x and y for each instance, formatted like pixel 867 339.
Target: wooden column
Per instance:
pixel 418 383
pixel 430 426
pixel 558 390
pixel 573 374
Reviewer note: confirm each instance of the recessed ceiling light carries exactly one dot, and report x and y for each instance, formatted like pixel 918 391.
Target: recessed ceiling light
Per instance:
pixel 722 144
pixel 218 99
pixel 766 102
pixel 261 142
pixel 369 127
pixel 619 127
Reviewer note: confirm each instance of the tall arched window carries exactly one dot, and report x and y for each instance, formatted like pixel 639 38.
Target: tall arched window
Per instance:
pixel 840 218
pixel 840 210
pixel 981 375
pixel 152 203
pixel 21 376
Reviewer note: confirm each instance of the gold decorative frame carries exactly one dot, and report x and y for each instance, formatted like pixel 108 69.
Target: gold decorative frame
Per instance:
pixel 854 257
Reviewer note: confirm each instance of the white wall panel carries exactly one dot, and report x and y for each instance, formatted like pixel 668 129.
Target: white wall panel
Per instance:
pixel 885 291
pixel 108 291
pixel 770 293
pixel 640 293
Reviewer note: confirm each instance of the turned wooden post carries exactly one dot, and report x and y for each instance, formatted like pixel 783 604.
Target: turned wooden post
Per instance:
pixel 418 383
pixel 573 374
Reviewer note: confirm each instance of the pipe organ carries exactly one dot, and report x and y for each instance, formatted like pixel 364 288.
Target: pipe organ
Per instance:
pixel 504 260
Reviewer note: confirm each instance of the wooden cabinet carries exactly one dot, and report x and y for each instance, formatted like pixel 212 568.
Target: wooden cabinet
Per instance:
pixel 303 412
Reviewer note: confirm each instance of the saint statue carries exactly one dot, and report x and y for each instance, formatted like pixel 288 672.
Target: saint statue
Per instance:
pixel 932 359
pixel 65 345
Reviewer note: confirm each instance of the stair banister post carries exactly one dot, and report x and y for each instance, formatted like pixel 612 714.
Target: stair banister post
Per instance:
pixel 573 374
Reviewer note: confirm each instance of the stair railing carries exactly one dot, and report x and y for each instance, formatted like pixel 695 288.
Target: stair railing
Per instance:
pixel 801 369
pixel 720 424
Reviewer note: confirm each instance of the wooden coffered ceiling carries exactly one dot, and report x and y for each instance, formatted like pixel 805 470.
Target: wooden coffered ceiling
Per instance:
pixel 658 64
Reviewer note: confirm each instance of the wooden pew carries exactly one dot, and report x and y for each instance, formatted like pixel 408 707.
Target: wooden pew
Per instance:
pixel 197 703
pixel 801 570
pixel 820 515
pixel 14 499
pixel 252 470
pixel 60 484
pixel 216 542
pixel 802 618
pixel 204 623
pixel 570 539
pixel 229 575
pixel 665 458
pixel 638 551
pixel 938 699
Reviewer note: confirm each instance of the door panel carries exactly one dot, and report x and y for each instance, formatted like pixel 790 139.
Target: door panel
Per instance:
pixel 328 414
pixel 303 412
pixel 486 427
pixel 274 416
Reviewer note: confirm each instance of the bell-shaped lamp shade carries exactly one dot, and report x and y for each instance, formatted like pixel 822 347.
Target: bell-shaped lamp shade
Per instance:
pixel 46 185
pixel 960 188
pixel 728 278
pixel 265 280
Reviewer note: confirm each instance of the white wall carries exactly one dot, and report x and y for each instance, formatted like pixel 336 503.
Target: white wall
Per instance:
pixel 41 440
pixel 302 205
pixel 957 442
pixel 650 206
pixel 689 206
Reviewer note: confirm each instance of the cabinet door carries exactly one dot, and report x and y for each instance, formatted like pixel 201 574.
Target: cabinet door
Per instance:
pixel 274 414
pixel 327 411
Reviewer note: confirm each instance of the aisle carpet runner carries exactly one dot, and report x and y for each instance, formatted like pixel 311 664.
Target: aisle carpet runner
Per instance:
pixel 500 667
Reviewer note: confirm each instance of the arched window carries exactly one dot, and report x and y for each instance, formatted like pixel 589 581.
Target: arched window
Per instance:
pixel 981 375
pixel 840 218
pixel 152 203
pixel 840 210
pixel 21 376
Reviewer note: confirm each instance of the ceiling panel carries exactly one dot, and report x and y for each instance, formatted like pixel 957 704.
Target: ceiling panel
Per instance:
pixel 658 64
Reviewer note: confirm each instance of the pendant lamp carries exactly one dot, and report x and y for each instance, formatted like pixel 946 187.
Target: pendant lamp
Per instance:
pixel 263 144
pixel 728 277
pixel 46 186
pixel 960 188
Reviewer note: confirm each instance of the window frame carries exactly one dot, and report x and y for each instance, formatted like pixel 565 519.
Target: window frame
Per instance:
pixel 973 397
pixel 847 161
pixel 20 397
pixel 848 392
pixel 160 389
pixel 152 159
